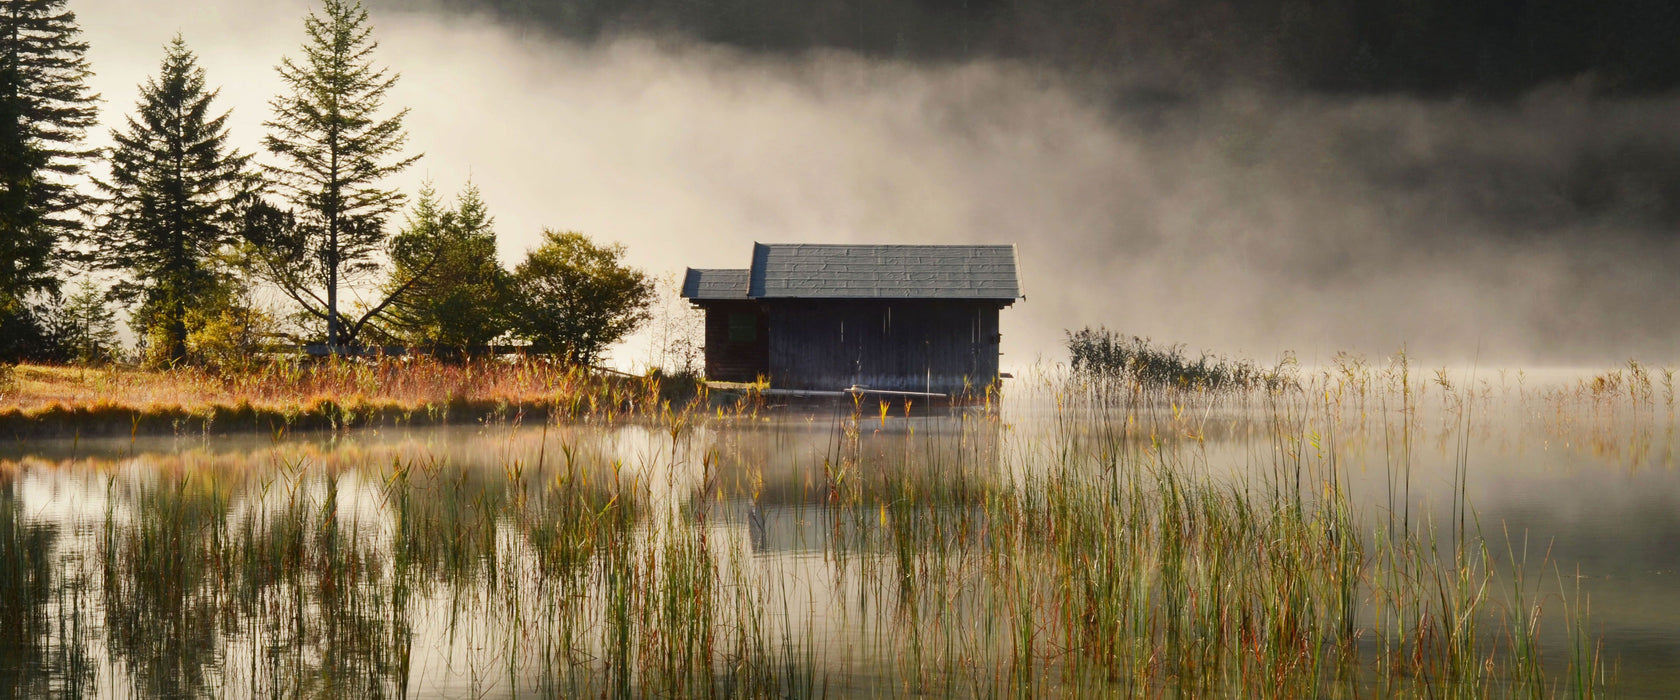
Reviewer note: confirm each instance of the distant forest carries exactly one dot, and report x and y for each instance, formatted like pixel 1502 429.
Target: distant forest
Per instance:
pixel 1485 48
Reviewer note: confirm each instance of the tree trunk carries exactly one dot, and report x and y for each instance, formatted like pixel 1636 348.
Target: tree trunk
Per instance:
pixel 178 334
pixel 332 284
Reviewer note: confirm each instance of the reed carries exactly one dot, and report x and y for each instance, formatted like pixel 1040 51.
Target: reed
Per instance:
pixel 1113 550
pixel 1111 357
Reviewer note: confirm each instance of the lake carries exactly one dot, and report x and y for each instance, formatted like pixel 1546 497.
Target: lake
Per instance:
pixel 1363 532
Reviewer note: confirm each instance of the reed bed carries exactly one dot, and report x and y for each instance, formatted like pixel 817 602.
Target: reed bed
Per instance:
pixel 1116 360
pixel 1115 548
pixel 337 393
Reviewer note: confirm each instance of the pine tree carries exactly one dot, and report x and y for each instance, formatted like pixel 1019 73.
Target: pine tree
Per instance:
pixel 171 196
pixel 334 149
pixel 450 255
pixel 90 328
pixel 45 110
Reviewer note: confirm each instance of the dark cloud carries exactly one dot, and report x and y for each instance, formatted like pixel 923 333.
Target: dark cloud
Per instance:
pixel 1488 47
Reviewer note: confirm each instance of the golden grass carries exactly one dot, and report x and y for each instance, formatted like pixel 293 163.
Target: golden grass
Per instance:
pixel 291 395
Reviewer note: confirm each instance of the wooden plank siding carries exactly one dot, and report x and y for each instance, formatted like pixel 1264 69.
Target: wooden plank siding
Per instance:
pixel 728 358
pixel 937 345
pixel 888 317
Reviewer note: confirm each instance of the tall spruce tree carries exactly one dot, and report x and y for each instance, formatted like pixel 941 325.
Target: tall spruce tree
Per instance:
pixel 171 195
pixel 333 149
pixel 45 110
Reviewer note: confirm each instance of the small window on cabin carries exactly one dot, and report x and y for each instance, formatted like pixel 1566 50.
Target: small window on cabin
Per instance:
pixel 743 328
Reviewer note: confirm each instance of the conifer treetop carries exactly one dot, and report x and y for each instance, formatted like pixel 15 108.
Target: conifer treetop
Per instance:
pixel 45 111
pixel 173 177
pixel 332 145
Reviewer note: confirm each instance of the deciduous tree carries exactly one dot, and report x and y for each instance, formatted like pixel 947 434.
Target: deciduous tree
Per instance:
pixel 576 298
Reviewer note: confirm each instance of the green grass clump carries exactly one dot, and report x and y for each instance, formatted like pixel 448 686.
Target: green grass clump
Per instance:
pixel 1106 355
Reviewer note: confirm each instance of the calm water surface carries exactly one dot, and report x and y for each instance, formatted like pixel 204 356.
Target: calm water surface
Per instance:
pixel 445 562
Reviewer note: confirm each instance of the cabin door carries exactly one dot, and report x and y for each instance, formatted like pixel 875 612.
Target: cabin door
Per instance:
pixel 737 343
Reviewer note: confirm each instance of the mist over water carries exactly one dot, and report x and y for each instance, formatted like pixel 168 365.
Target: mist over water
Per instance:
pixel 1240 218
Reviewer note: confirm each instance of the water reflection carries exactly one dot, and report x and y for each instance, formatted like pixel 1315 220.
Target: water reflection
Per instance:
pixel 44 610
pixel 828 552
pixel 164 608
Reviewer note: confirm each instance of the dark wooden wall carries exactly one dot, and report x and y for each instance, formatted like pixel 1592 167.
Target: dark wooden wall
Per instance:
pixel 729 359
pixel 906 345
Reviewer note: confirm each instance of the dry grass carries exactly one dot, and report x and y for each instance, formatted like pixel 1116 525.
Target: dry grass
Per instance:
pixel 286 395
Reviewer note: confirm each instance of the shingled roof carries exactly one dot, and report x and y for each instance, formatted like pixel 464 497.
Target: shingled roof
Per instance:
pixel 825 271
pixel 715 284
pixel 806 271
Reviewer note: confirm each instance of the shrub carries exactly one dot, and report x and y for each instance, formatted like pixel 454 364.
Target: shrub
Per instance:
pixel 576 298
pixel 1107 355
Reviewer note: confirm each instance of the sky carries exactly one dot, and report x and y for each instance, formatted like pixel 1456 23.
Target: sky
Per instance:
pixel 1240 216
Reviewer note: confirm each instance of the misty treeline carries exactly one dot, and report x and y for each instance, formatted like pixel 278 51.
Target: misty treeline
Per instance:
pixel 220 254
pixel 1487 47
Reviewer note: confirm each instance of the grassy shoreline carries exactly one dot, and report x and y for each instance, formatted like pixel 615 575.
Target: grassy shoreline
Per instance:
pixel 1088 554
pixel 43 401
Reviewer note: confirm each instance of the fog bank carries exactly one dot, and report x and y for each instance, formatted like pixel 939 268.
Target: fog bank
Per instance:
pixel 1241 220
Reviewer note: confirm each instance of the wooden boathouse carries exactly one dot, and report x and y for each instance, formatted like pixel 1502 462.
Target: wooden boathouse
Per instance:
pixel 920 318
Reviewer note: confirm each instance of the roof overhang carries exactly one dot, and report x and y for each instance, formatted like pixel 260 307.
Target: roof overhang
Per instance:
pixel 804 272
